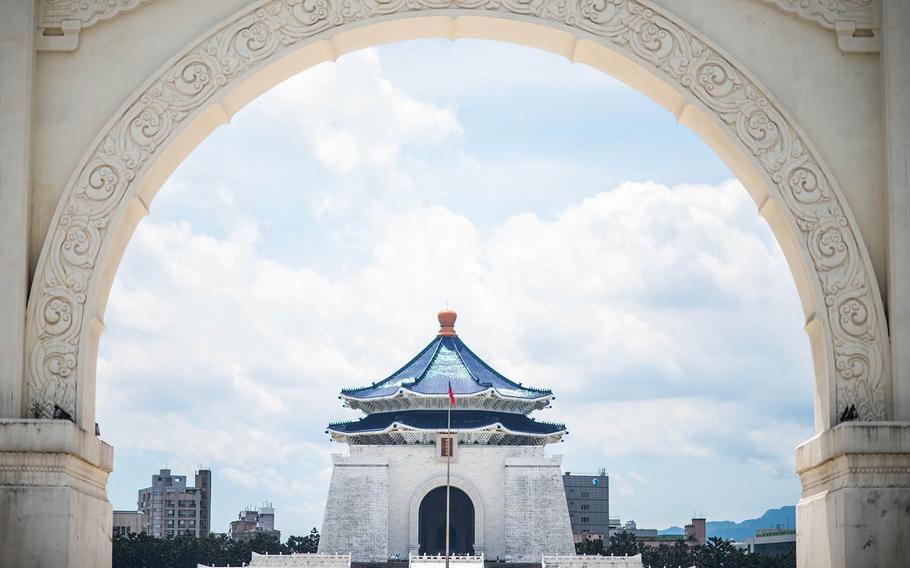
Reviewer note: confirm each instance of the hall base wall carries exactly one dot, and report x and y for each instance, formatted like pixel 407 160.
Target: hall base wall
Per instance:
pixel 496 478
pixel 357 509
pixel 537 515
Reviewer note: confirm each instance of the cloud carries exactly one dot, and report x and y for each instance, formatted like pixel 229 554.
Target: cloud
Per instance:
pixel 275 272
pixel 250 353
pixel 369 121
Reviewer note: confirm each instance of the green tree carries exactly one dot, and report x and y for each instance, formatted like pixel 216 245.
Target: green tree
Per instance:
pixel 309 543
pixel 623 543
pixel 144 551
pixel 590 546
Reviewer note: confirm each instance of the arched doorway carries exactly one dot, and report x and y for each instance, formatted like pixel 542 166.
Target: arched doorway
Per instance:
pixel 432 521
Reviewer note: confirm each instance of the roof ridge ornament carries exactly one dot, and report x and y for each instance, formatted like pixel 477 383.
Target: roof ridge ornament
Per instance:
pixel 447 319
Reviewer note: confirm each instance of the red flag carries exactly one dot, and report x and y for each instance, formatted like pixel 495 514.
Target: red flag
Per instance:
pixel 451 394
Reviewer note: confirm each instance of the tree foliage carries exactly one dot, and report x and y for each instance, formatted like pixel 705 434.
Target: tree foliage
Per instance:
pixel 716 553
pixel 139 550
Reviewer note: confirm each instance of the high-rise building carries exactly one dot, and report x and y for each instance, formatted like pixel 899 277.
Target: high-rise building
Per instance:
pixel 588 497
pixel 170 508
pixel 252 522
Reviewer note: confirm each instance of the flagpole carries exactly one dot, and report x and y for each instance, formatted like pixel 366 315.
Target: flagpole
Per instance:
pixel 449 469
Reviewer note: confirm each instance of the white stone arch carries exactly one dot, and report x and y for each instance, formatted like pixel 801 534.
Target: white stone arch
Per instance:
pixel 202 86
pixel 440 481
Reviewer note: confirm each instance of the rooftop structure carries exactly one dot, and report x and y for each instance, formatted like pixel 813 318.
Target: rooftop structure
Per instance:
pixel 252 522
pixel 410 406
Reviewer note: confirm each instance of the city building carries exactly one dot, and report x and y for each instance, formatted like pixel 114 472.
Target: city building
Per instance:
pixel 387 496
pixel 694 533
pixel 172 508
pixel 588 498
pixel 772 542
pixel 252 522
pixel 126 522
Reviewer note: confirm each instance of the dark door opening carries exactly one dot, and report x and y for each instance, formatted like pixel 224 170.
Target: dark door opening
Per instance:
pixel 432 522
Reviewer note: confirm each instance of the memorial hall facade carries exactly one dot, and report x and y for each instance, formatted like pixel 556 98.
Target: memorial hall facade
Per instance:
pixel 387 494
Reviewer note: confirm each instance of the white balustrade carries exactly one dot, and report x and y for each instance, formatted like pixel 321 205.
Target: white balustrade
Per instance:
pixel 439 561
pixel 593 561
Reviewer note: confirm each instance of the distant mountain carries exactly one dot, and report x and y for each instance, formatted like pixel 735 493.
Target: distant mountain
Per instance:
pixel 783 517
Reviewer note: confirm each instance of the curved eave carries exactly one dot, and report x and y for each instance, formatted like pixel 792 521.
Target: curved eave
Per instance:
pixel 402 390
pixel 404 427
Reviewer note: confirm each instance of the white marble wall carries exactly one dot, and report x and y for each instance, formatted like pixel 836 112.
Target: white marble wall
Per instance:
pixel 537 516
pixel 357 509
pixel 532 483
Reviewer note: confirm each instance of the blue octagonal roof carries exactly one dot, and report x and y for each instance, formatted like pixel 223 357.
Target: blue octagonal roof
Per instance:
pixel 446 360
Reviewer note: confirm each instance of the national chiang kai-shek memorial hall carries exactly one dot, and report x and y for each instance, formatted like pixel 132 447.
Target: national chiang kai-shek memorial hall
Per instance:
pixel 387 495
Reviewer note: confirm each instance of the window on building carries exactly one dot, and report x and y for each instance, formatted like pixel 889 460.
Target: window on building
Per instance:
pixel 585 494
pixel 583 519
pixel 170 523
pixel 585 507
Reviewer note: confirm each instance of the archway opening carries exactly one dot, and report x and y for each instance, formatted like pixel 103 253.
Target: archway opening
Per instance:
pixel 432 522
pixel 718 112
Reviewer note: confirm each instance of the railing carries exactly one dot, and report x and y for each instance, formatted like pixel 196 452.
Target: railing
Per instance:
pixel 594 561
pixel 438 560
pixel 303 560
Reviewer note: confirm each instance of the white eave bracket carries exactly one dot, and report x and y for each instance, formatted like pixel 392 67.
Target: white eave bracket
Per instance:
pixel 64 38
pixel 61 21
pixel 852 39
pixel 855 23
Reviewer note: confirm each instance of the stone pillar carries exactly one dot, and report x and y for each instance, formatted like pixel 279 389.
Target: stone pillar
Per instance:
pixel 896 98
pixel 17 25
pixel 855 504
pixel 54 511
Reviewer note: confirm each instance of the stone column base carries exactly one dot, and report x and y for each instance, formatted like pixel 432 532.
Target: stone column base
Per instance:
pixel 54 511
pixel 855 504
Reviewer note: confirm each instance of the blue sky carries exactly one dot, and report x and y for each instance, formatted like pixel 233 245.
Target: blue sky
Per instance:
pixel 588 242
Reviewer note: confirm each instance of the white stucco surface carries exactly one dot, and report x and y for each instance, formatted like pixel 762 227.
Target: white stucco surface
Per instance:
pixel 519 502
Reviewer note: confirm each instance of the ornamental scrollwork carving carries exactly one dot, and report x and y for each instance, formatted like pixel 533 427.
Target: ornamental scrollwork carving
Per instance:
pixel 849 310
